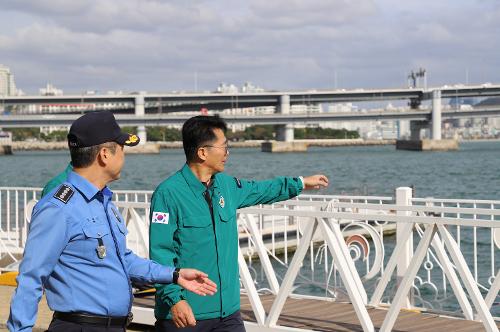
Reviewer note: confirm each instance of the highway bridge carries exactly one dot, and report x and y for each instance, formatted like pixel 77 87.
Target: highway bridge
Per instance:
pixel 166 103
pixel 39 120
pixel 218 101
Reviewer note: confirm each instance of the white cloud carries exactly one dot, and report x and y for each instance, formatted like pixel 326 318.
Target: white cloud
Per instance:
pixel 105 15
pixel 154 45
pixel 296 13
pixel 434 32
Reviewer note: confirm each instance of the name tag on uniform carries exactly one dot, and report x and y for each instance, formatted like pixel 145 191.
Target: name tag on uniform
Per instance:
pixel 160 218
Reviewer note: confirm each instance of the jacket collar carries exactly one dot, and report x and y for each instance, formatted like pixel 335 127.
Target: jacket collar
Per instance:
pixel 87 189
pixel 193 182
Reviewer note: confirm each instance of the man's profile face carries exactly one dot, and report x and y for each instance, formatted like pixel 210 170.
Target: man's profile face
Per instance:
pixel 116 162
pixel 217 151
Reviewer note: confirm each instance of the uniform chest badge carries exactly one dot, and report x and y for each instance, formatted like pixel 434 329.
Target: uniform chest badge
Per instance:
pixel 101 249
pixel 221 202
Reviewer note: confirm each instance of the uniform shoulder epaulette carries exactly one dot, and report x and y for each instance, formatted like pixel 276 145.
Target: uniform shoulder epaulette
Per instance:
pixel 64 193
pixel 238 182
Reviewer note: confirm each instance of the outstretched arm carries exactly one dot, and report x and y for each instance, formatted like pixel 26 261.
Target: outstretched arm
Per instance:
pixel 145 270
pixel 250 193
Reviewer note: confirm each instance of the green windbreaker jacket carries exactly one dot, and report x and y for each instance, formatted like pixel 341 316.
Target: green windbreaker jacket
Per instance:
pixel 186 232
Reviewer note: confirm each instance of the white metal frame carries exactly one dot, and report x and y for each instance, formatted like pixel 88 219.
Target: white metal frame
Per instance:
pixel 328 214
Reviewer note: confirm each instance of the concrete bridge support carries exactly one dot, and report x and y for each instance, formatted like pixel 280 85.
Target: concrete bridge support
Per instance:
pixel 284 132
pixel 416 129
pixel 403 129
pixel 436 114
pixel 435 123
pixel 5 149
pixel 142 148
pixel 140 111
pixel 436 143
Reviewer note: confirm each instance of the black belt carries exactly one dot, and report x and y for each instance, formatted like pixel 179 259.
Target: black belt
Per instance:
pixel 80 318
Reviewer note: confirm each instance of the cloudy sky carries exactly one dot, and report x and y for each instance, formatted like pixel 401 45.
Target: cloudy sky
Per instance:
pixel 160 45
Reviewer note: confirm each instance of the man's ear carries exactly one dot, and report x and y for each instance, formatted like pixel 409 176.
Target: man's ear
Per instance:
pixel 103 156
pixel 202 154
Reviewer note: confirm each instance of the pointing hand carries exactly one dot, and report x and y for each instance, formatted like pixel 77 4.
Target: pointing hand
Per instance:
pixel 315 182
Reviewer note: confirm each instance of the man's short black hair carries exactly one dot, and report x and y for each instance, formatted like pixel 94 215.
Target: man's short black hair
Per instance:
pixel 84 157
pixel 199 130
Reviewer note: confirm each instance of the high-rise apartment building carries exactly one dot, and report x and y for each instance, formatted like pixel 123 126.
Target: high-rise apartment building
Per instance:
pixel 7 85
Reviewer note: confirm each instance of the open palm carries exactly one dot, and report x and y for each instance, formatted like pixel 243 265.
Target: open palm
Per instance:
pixel 196 281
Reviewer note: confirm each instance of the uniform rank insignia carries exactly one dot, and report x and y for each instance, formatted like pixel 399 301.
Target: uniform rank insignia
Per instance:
pixel 132 139
pixel 221 202
pixel 238 182
pixel 64 193
pixel 160 218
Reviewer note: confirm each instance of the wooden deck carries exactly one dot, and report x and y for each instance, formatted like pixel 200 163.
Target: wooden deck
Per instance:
pixel 320 315
pixel 306 314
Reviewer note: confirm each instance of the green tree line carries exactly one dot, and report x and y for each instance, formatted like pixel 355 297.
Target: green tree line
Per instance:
pixel 23 134
pixel 261 132
pixel 267 132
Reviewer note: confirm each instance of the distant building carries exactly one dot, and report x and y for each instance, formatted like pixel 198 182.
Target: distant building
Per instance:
pixel 50 90
pixel 231 88
pixel 493 122
pixel 342 108
pixel 7 84
pixel 227 88
pixel 305 109
pixel 248 111
pixel 249 88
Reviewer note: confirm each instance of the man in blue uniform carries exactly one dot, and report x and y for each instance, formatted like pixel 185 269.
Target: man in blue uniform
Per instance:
pixel 76 248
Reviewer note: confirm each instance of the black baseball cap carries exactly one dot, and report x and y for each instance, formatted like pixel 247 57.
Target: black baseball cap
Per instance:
pixel 95 128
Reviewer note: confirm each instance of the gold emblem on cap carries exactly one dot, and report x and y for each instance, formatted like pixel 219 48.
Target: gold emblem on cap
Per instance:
pixel 132 139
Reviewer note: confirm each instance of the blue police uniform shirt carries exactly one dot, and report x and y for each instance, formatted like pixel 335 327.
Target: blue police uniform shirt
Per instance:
pixel 61 257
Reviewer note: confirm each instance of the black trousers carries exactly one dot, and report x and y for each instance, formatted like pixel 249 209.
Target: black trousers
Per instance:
pixel 231 323
pixel 58 325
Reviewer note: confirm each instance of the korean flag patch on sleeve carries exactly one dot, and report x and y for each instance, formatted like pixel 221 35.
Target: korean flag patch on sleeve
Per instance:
pixel 160 218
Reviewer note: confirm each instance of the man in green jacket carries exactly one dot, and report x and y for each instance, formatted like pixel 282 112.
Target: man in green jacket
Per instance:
pixel 193 223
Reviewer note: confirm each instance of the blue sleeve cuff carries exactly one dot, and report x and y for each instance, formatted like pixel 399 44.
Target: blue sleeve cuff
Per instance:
pixel 165 275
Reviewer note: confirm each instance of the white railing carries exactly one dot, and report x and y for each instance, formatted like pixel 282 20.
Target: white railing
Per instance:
pixel 13 202
pixel 340 248
pixel 473 289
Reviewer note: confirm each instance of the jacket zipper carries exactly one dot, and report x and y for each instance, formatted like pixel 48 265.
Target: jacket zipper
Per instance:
pixel 208 199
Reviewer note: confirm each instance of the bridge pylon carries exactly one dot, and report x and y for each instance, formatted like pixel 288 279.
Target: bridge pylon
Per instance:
pixel 284 133
pixel 436 142
pixel 140 111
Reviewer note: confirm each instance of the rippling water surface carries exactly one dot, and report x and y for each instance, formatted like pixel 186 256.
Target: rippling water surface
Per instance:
pixel 471 172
